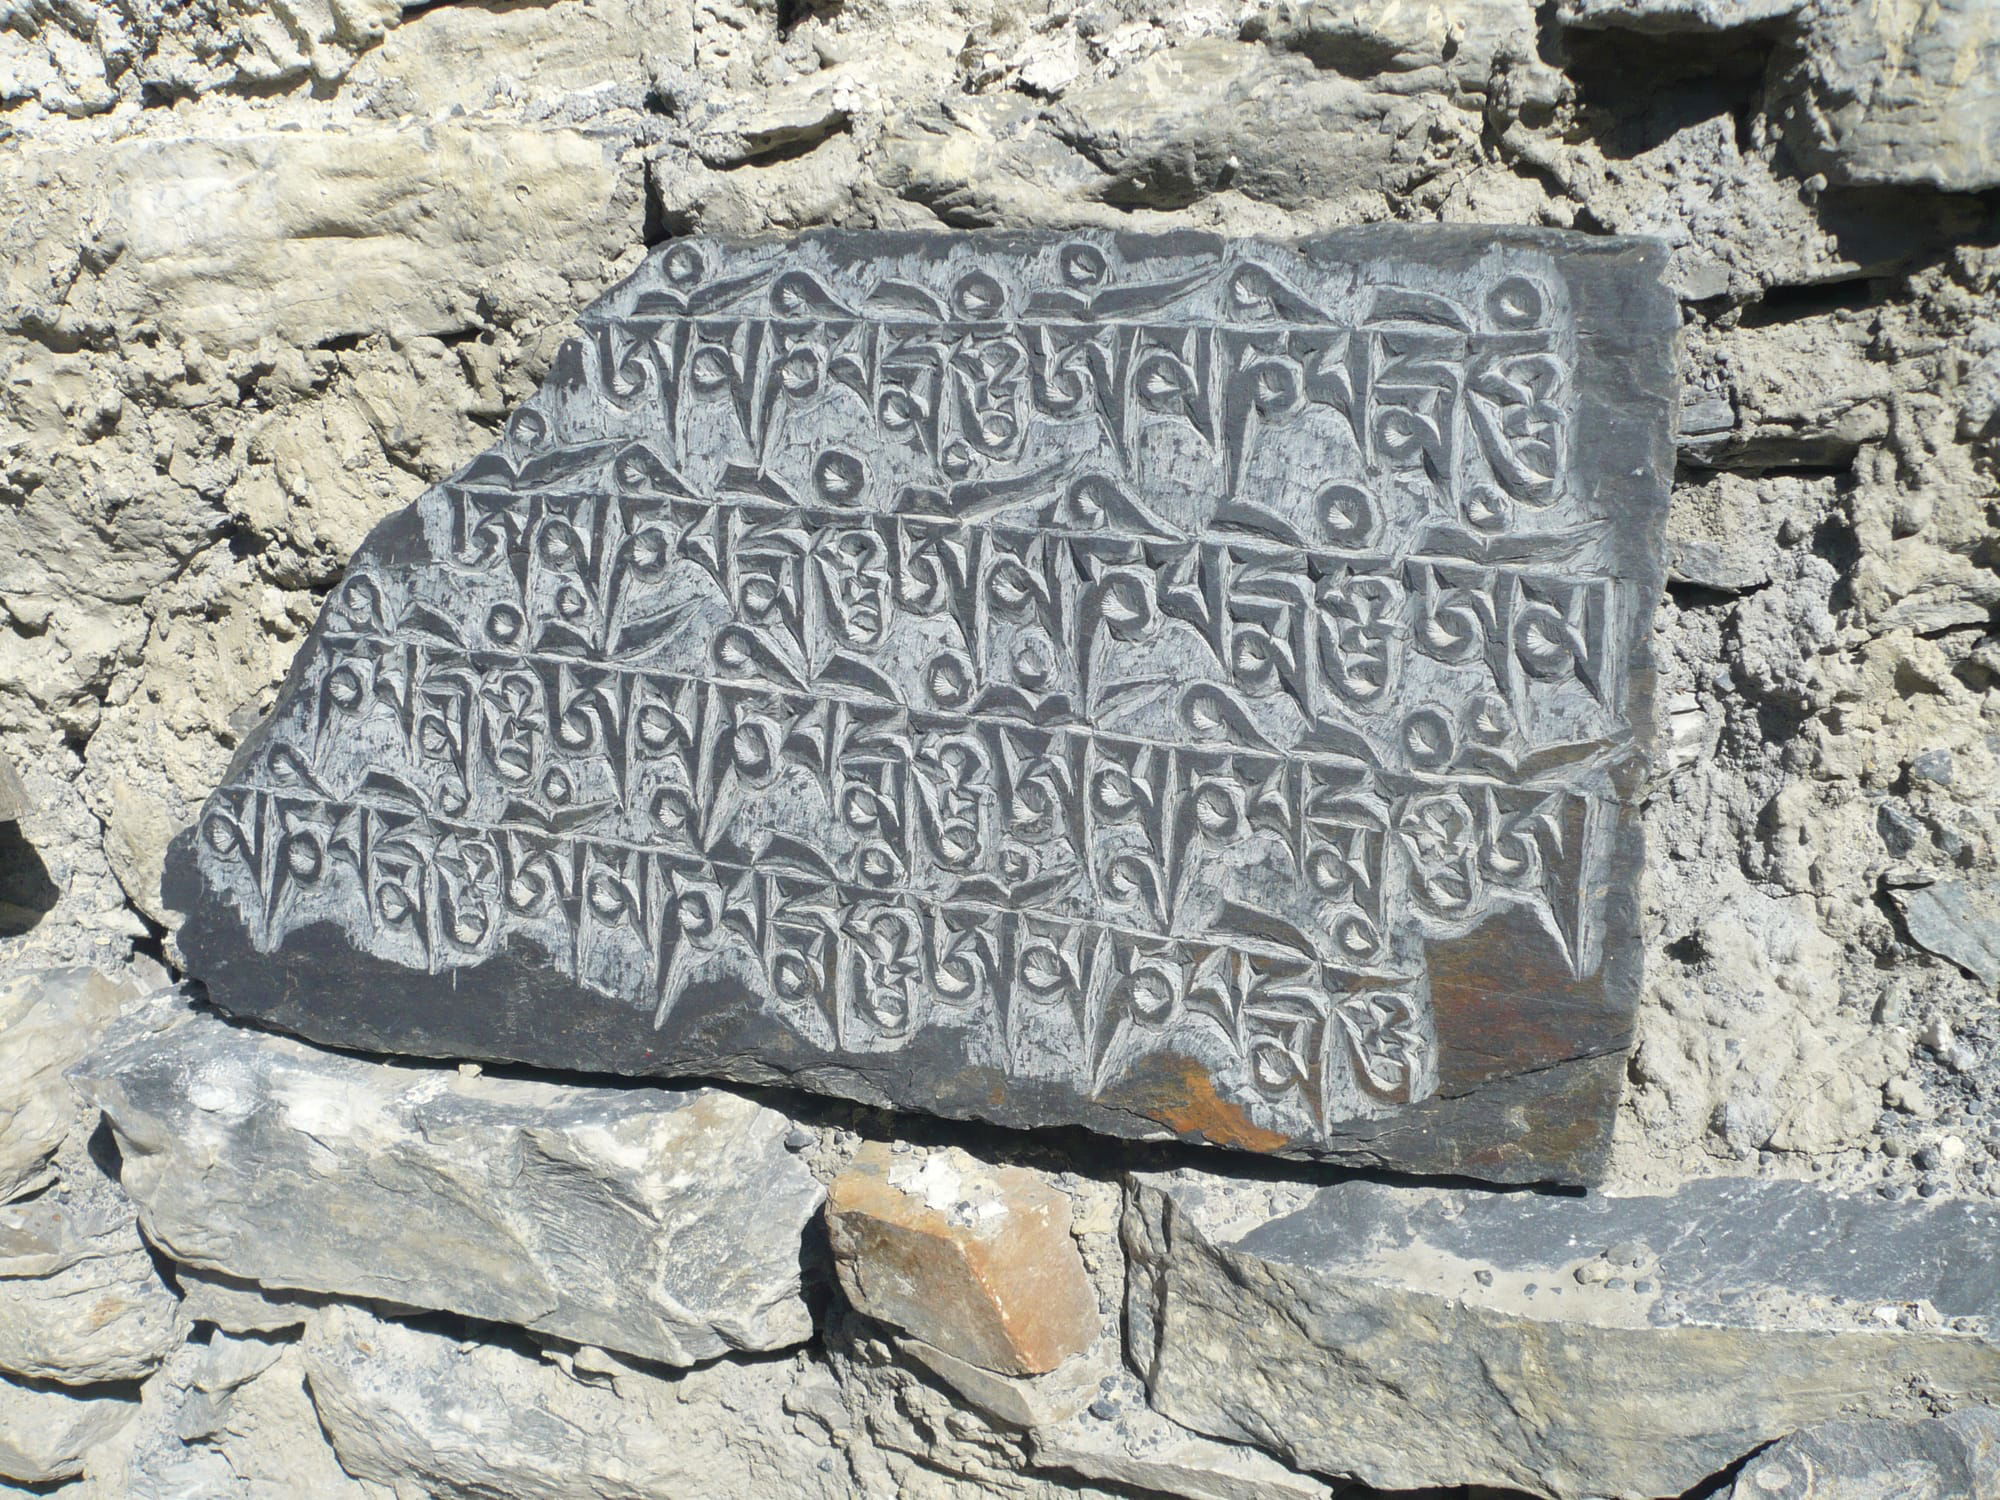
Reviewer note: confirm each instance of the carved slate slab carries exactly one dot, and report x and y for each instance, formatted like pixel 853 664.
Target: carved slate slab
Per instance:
pixel 1161 684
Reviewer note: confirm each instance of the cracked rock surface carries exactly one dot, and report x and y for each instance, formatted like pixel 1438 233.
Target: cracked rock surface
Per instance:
pixel 268 270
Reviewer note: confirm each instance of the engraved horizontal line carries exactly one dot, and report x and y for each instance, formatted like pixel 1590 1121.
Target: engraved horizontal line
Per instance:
pixel 1267 548
pixel 1525 339
pixel 818 692
pixel 883 894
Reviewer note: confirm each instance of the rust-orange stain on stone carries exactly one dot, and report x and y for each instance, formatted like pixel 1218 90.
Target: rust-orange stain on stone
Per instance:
pixel 1178 1092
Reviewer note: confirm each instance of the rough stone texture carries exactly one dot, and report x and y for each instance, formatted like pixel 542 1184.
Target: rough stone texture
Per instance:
pixel 49 1021
pixel 176 498
pixel 80 1299
pixel 1958 920
pixel 1121 1440
pixel 974 1260
pixel 1956 1457
pixel 45 1430
pixel 226 1420
pixel 1907 91
pixel 663 1224
pixel 1567 1347
pixel 402 1403
pixel 1206 702
pixel 238 1306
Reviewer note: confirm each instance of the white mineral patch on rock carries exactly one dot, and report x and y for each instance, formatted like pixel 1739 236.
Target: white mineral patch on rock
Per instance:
pixel 665 1225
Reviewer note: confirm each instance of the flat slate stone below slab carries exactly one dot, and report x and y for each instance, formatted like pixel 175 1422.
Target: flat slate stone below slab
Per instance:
pixel 664 1225
pixel 1568 1346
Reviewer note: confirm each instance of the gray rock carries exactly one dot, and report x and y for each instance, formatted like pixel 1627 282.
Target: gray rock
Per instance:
pixel 1957 920
pixel 663 1224
pixel 13 796
pixel 1956 1457
pixel 1174 714
pixel 1121 1440
pixel 1900 94
pixel 238 1306
pixel 404 1405
pixel 80 1299
pixel 1669 16
pixel 45 1430
pixel 228 1420
pixel 48 1021
pixel 1413 1337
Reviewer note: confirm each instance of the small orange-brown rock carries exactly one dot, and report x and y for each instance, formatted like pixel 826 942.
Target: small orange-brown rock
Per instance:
pixel 974 1260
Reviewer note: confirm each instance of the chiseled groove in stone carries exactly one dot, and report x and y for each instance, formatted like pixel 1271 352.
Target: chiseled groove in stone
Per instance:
pixel 1569 1347
pixel 1167 684
pixel 666 1225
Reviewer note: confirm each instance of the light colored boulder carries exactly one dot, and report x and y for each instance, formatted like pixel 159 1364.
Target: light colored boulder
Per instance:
pixel 404 1405
pixel 974 1260
pixel 666 1225
pixel 45 1430
pixel 1568 1347
pixel 80 1299
pixel 48 1021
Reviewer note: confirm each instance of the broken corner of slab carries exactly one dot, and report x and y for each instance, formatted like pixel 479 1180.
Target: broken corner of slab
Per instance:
pixel 1175 686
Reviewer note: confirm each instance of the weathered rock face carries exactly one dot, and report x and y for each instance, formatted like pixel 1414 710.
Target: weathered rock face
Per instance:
pixel 45 1430
pixel 974 1260
pixel 80 1299
pixel 49 1021
pixel 1567 1347
pixel 1208 702
pixel 402 1404
pixel 666 1225
pixel 269 270
pixel 1955 1456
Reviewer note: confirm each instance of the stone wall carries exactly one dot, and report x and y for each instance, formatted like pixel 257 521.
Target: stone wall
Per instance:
pixel 270 270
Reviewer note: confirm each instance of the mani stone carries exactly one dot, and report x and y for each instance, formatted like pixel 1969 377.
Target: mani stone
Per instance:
pixel 1177 686
pixel 664 1225
pixel 1577 1348
pixel 976 1261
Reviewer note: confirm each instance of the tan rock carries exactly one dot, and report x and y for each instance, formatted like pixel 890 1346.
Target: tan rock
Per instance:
pixel 80 1300
pixel 45 1431
pixel 975 1260
pixel 48 1022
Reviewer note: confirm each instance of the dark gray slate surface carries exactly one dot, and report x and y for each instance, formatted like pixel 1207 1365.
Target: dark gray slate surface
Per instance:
pixel 1575 1347
pixel 1157 683
pixel 1716 1252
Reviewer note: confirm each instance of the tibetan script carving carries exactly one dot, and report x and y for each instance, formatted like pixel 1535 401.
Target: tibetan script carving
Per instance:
pixel 1163 684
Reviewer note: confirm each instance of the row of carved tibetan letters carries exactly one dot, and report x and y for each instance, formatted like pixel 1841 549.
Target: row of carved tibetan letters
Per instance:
pixel 1166 836
pixel 853 969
